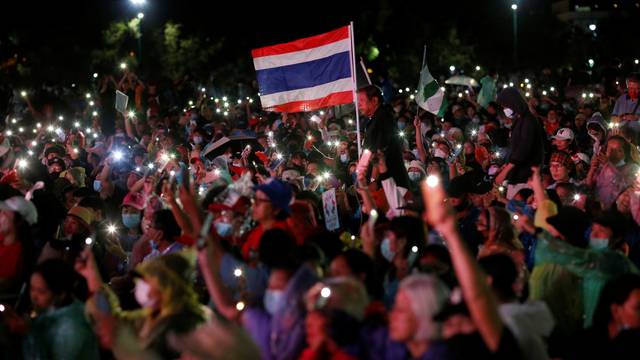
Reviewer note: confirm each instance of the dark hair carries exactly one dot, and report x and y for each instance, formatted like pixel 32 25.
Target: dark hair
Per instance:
pixel 164 220
pixel 633 77
pixel 410 228
pixel 277 250
pixel 60 279
pixel 372 91
pixel 503 274
pixel 361 264
pixel 616 291
pixel 625 146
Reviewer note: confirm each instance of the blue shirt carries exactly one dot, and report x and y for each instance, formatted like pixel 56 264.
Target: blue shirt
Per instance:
pixel 625 105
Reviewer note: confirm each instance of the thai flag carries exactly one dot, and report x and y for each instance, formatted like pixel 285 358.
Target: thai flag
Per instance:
pixel 306 74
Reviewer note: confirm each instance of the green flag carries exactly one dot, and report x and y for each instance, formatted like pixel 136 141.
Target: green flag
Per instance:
pixel 430 96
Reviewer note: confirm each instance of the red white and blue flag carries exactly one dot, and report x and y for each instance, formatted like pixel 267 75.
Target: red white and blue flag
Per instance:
pixel 306 74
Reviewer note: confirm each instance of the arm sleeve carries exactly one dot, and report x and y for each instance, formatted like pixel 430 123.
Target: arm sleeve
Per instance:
pixel 617 108
pixel 522 144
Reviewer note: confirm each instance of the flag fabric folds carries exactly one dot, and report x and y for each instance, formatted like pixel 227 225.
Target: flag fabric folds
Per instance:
pixel 430 96
pixel 306 74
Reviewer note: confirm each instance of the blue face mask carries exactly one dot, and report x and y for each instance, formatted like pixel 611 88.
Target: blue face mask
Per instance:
pixel 273 301
pixel 401 125
pixel 197 140
pixel 97 185
pixel 385 249
pixel 154 245
pixel 415 176
pixel 599 244
pixel 131 221
pixel 224 229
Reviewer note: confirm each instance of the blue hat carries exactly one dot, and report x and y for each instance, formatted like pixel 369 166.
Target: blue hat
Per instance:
pixel 279 193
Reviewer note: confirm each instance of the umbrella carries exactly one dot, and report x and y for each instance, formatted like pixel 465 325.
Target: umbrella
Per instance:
pixel 462 80
pixel 236 143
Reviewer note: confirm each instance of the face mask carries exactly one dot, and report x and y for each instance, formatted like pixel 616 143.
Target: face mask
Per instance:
pixel 415 176
pixel 344 158
pixel 197 140
pixel 402 125
pixel 439 154
pixel 97 185
pixel 273 301
pixel 141 293
pixel 397 109
pixel 154 245
pixel 131 221
pixel 385 249
pixel 598 243
pixel 508 112
pixel 224 229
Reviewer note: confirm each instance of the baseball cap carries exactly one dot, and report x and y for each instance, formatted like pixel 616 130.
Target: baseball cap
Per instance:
pixel 22 206
pixel 564 134
pixel 279 193
pixel 135 200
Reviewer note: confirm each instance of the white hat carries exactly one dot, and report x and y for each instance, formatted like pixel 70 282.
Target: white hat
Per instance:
pixel 581 157
pixel 564 134
pixel 23 207
pixel 418 165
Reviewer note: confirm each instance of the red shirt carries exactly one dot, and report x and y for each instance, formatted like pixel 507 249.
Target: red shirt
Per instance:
pixel 10 260
pixel 253 240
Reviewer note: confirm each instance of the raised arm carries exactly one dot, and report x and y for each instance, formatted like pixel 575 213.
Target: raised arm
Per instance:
pixel 478 297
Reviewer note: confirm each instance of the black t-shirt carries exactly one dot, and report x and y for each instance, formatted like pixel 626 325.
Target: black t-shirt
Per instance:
pixel 473 347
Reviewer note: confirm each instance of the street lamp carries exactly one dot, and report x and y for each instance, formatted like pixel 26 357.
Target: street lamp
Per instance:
pixel 138 2
pixel 593 27
pixel 514 8
pixel 140 15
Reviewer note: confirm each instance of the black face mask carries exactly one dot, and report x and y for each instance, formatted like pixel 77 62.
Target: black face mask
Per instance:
pixel 54 175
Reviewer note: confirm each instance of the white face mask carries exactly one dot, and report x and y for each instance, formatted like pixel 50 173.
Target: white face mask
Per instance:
pixel 142 294
pixel 508 112
pixel 274 301
pixel 344 158
pixel 439 154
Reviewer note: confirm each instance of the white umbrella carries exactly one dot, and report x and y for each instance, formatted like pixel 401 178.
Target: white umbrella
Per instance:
pixel 462 80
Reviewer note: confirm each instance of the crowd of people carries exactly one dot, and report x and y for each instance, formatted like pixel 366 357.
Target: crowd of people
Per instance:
pixel 194 226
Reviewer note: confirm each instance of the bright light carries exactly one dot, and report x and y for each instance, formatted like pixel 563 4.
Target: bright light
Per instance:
pixel 50 128
pixel 140 15
pixel 544 92
pixel 164 157
pixel 414 249
pixel 591 62
pixel 278 156
pixel 87 95
pixel 514 7
pixel 95 75
pixel 224 98
pixel 138 2
pixel 22 163
pixel 239 101
pixel 2 308
pixel 34 143
pixel 477 67
pixel 552 89
pixel 239 306
pixel 95 113
pixel 452 68
pixel 401 133
pixel 516 217
pixel 325 292
pixel 407 89
pixel 636 61
pixel 60 117
pixel 91 103
pixel 501 188
pixel 172 173
pixel 432 181
pixel 88 241
pixel 123 65
pixel 474 132
pixel 150 166
pixel 511 84
pixel 117 155
pixel 111 229
pixel 576 197
pixel 526 80
pixel 9 132
pixel 132 114
pixel 592 27
pixel 76 124
pixel 23 93
pixel 237 272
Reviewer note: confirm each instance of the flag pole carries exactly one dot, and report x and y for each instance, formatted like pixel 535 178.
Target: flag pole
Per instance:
pixel 364 68
pixel 424 61
pixel 355 87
